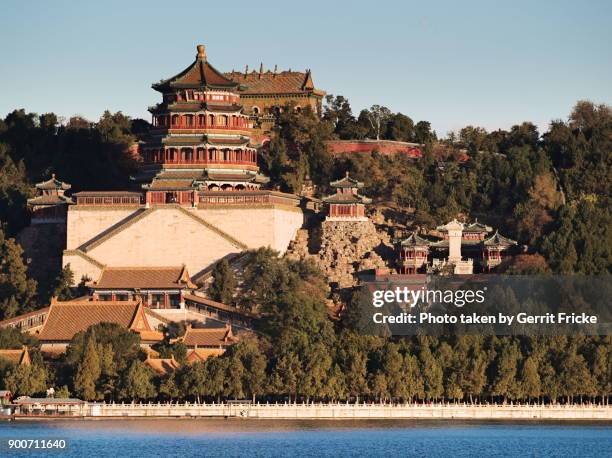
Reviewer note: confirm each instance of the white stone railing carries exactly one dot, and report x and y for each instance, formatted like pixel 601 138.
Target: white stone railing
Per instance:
pixel 353 411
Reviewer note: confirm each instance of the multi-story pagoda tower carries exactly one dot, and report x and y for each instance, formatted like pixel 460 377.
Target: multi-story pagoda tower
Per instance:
pixel 200 139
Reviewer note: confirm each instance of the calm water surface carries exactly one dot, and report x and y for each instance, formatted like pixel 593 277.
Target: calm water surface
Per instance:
pixel 265 438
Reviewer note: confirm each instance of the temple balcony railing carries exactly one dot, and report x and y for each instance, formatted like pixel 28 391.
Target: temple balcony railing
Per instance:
pixel 196 127
pixel 202 162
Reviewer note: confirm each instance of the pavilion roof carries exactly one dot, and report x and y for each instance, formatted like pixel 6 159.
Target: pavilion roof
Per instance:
pixel 230 176
pixel 415 240
pixel 340 198
pixel 477 227
pixel 158 184
pixel 65 319
pixel 53 199
pixel 202 354
pixel 199 74
pixel 227 141
pixel 143 278
pixel 498 240
pixel 209 337
pixel 346 182
pixel 52 183
pixel 284 82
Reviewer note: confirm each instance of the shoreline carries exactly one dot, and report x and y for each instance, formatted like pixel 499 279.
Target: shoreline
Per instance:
pixel 254 420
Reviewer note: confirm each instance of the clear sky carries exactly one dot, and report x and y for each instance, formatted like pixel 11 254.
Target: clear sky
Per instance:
pixel 454 63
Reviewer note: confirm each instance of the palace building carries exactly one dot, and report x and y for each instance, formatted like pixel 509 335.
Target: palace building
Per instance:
pixel 157 287
pixel 65 319
pixel 265 93
pixel 199 196
pixel 458 248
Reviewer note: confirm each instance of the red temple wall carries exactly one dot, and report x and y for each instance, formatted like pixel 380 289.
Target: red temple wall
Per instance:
pixel 369 146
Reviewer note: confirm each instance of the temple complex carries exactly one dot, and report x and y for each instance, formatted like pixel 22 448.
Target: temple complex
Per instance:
pixel 198 193
pixel 157 287
pixel 346 204
pixel 458 248
pixel 65 319
pixel 265 93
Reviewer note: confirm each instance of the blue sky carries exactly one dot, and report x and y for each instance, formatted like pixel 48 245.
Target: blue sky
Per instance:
pixel 487 63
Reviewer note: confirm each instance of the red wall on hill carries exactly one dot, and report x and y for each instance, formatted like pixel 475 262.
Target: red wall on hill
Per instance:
pixel 368 146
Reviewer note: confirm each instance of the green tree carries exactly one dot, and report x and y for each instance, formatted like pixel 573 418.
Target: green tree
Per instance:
pixel 431 373
pixel 412 379
pixel 17 291
pixel 378 117
pixel 168 387
pixel 88 371
pixel 506 371
pixel 63 283
pixel 400 128
pixel 26 380
pixel 530 379
pixel 223 286
pixel 137 382
pixel 14 191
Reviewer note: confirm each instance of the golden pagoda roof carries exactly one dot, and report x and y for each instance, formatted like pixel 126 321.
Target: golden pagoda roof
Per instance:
pixel 198 75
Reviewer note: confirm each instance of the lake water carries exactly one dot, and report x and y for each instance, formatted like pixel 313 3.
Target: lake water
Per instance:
pixel 266 438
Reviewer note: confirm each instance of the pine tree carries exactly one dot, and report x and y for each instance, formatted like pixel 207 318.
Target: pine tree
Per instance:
pixel 506 369
pixel 530 379
pixel 137 382
pixel 412 379
pixel 432 374
pixel 88 371
pixel 17 291
pixel 63 283
pixel 224 284
pixel 168 387
pixel 26 380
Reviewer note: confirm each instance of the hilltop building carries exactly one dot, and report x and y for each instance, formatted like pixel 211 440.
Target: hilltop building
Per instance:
pixel 460 249
pixel 346 204
pixel 50 204
pixel 265 93
pixel 199 195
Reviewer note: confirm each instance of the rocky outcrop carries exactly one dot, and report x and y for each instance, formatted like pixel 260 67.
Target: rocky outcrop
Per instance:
pixel 344 248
